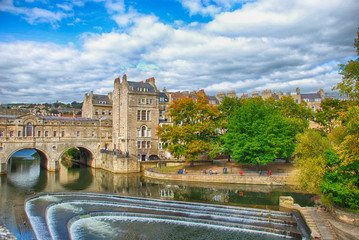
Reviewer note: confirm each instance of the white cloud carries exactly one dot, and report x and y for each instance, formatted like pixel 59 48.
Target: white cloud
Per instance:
pixel 266 44
pixel 34 15
pixel 210 8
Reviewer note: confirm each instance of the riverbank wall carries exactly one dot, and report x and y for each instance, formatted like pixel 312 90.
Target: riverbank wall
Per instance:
pixel 216 178
pixel 118 164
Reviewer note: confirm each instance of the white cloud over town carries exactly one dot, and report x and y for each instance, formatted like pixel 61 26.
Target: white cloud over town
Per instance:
pixel 265 44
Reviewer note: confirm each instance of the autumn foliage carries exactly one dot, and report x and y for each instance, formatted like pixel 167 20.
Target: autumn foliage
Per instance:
pixel 194 129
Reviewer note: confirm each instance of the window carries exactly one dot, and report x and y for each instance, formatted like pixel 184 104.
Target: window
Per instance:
pixel 1 133
pixel 109 112
pixel 148 144
pixel 106 134
pixel 143 100
pixel 138 132
pixel 96 112
pixel 138 144
pixel 143 115
pixel 143 144
pixel 11 133
pixel 93 133
pixel 139 100
pixel 143 118
pixel 29 130
pixel 54 133
pixel 148 133
pixel 78 133
pixel 63 134
pixel 46 133
pixel 143 131
pixel 159 145
pixel 19 133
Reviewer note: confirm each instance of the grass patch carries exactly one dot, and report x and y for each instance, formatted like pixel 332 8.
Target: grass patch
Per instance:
pixel 172 169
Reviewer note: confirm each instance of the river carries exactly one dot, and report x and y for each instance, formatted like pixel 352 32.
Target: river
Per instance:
pixel 25 178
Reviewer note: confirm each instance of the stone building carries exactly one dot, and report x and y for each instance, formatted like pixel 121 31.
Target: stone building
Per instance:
pixel 136 117
pixel 97 106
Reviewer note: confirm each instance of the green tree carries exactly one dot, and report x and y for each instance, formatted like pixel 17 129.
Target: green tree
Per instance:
pixel 350 75
pixel 69 156
pixel 309 159
pixel 228 105
pixel 298 114
pixel 194 129
pixel 328 114
pixel 340 181
pixel 258 133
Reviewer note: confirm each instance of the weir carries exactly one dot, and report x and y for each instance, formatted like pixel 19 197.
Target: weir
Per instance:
pixel 104 216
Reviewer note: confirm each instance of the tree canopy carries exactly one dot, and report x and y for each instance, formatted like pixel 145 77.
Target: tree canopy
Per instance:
pixel 194 129
pixel 329 161
pixel 258 133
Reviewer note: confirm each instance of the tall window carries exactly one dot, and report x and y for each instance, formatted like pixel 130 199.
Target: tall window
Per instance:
pixel 148 144
pixel 1 133
pixel 138 144
pixel 29 130
pixel 143 144
pixel 143 115
pixel 143 131
pixel 11 133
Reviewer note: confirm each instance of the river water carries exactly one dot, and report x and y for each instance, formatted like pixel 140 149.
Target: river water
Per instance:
pixel 25 178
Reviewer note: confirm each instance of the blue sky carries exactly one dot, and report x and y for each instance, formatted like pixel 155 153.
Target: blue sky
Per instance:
pixel 60 50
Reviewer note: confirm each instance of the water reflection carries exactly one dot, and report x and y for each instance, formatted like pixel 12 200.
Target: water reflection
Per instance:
pixel 25 177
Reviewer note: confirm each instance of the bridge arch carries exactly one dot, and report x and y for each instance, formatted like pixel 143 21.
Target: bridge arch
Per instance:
pixel 87 157
pixel 44 160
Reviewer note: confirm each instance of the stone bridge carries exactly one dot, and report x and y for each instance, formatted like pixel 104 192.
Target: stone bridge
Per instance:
pixel 51 136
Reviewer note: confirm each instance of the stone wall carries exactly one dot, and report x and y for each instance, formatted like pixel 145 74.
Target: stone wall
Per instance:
pixel 342 215
pixel 116 164
pixel 220 178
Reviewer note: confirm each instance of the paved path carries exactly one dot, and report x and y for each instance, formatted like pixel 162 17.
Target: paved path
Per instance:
pixel 325 227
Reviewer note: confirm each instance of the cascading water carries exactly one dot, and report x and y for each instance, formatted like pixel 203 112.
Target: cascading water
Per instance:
pixel 103 216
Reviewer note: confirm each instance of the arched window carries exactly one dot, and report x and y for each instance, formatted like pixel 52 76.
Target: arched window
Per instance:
pixel 143 131
pixel 29 130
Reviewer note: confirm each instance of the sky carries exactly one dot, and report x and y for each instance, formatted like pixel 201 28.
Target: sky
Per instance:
pixel 60 50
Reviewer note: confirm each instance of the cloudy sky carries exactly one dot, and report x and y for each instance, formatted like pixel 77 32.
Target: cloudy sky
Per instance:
pixel 60 50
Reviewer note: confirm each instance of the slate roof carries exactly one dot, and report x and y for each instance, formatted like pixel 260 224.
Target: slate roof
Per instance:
pixel 213 99
pixel 135 86
pixel 310 96
pixel 164 96
pixel 100 99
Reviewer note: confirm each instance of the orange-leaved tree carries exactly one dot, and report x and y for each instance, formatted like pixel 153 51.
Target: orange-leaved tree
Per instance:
pixel 194 128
